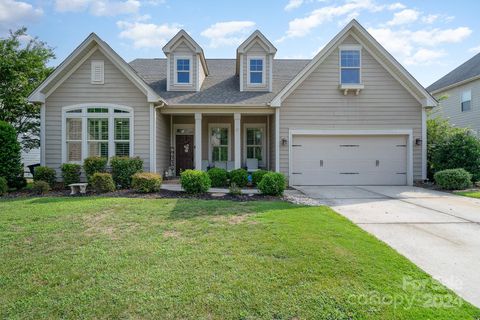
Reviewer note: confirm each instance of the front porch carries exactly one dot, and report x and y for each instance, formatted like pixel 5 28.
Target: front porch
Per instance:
pixel 203 140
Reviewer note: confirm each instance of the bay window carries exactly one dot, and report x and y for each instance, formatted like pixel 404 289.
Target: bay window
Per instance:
pixel 96 130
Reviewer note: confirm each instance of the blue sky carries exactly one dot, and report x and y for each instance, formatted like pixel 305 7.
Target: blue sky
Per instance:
pixel 428 37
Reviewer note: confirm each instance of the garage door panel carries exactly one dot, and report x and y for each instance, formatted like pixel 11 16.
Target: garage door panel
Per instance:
pixel 349 160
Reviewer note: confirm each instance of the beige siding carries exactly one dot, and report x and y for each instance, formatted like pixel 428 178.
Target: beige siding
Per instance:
pixel 77 89
pixel 318 104
pixel 256 50
pixel 183 50
pixel 450 108
pixel 201 73
pixel 163 142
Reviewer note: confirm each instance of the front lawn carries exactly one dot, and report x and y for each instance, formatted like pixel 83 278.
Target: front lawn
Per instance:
pixel 197 259
pixel 471 194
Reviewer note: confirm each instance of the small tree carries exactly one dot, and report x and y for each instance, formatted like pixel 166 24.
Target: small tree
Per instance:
pixel 10 159
pixel 23 66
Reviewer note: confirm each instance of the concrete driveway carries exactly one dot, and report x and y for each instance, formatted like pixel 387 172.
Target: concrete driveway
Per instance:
pixel 437 231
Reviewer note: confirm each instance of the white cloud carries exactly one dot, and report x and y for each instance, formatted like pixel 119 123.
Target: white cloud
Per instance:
pixel 147 35
pixel 300 27
pixel 404 17
pixel 293 4
pixel 227 33
pixel 425 56
pixel 99 7
pixel 431 18
pixel 396 6
pixel 406 45
pixel 474 49
pixel 14 13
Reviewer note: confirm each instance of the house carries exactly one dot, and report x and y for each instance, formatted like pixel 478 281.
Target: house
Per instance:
pixel 352 115
pixel 459 95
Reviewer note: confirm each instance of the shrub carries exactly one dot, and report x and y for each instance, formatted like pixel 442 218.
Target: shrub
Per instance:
pixel 234 190
pixel 123 168
pixel 46 174
pixel 257 176
pixel 40 187
pixel 195 181
pixel 218 176
pixel 457 149
pixel 453 179
pixel 273 184
pixel 146 182
pixel 3 186
pixel 10 159
pixel 102 182
pixel 239 177
pixel 92 165
pixel 70 173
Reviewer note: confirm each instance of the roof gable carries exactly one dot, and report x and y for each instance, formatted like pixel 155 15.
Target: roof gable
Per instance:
pixel 257 36
pixel 90 45
pixel 379 53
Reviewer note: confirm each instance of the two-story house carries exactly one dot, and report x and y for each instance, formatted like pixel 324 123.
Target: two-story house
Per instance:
pixel 351 115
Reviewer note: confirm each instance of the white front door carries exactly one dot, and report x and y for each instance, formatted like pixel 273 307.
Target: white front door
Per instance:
pixel 349 160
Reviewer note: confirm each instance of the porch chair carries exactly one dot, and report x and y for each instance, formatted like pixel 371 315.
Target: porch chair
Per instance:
pixel 205 165
pixel 252 164
pixel 230 165
pixel 220 164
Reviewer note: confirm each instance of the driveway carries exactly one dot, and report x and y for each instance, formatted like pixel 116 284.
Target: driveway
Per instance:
pixel 437 231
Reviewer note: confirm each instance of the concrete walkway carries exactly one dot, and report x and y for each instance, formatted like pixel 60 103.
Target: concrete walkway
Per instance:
pixel 178 187
pixel 439 232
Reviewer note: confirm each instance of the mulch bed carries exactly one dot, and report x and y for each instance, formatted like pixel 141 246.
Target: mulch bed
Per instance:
pixel 162 194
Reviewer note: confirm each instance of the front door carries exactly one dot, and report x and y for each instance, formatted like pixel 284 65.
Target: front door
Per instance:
pixel 184 152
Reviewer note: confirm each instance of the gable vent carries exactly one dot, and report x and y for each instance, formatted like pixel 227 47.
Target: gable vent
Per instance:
pixel 97 72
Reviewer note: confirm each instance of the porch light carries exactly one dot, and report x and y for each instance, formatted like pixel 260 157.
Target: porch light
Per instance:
pixel 284 141
pixel 418 142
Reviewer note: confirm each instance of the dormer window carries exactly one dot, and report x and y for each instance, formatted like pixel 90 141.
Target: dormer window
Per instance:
pixel 350 66
pixel 183 70
pixel 255 67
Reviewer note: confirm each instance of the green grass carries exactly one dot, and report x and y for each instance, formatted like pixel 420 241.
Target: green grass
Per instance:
pixel 194 259
pixel 471 194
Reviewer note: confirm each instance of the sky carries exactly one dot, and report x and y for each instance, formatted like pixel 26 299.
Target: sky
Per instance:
pixel 430 38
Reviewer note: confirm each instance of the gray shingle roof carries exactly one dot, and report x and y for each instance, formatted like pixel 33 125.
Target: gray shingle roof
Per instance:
pixel 467 70
pixel 221 86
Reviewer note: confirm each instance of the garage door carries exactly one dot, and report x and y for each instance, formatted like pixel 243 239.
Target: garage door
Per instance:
pixel 349 160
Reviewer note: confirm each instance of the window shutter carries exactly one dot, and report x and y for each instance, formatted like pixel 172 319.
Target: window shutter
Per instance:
pixel 97 72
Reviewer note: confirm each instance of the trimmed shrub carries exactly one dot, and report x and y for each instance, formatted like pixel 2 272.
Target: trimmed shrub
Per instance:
pixel 195 181
pixel 234 190
pixel 239 177
pixel 218 176
pixel 70 173
pixel 257 176
pixel 458 150
pixel 272 184
pixel 146 182
pixel 46 174
pixel 453 179
pixel 10 158
pixel 102 182
pixel 3 186
pixel 92 165
pixel 123 168
pixel 40 187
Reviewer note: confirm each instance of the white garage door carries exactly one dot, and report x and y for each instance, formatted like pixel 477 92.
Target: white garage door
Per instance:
pixel 349 160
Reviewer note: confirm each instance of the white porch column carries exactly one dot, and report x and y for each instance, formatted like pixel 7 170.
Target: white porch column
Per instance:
pixel 198 141
pixel 277 140
pixel 42 134
pixel 238 158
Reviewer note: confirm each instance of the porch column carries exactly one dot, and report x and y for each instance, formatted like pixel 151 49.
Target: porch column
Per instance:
pixel 198 141
pixel 238 158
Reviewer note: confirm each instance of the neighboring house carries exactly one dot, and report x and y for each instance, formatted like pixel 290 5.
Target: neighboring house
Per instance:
pixel 351 115
pixel 458 93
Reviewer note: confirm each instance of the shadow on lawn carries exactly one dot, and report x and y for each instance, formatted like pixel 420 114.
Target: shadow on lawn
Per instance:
pixel 188 208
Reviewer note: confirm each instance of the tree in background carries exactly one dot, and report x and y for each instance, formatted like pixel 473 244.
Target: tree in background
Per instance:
pixel 23 66
pixel 10 164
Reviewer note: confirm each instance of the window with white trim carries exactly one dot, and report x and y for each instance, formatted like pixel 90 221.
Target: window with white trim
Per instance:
pixel 466 100
pixel 97 130
pixel 350 66
pixel 219 143
pixel 183 70
pixel 255 143
pixel 255 69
